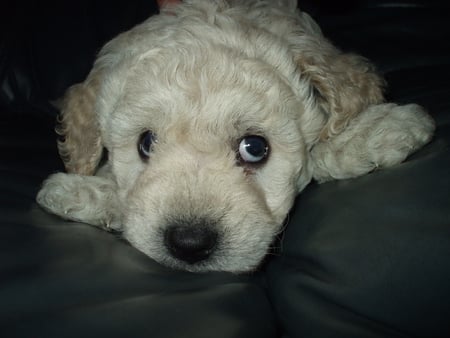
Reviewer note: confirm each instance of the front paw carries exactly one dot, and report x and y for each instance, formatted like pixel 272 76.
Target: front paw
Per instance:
pixel 402 131
pixel 87 199
pixel 381 136
pixel 57 195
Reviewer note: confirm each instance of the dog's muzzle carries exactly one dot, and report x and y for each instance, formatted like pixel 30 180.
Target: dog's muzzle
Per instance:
pixel 189 243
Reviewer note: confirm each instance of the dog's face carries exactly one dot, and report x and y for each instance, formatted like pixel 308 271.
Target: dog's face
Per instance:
pixel 207 156
pixel 211 113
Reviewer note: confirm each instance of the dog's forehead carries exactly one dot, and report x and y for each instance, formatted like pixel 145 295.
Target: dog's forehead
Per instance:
pixel 213 91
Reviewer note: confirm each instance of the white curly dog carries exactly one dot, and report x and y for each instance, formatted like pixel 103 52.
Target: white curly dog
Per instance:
pixel 214 116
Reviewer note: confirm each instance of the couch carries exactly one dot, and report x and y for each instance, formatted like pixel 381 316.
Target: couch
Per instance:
pixel 366 257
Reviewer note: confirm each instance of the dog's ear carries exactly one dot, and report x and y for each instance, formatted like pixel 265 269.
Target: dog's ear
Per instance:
pixel 344 84
pixel 80 145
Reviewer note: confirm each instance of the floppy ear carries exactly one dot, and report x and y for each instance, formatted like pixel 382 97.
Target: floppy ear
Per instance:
pixel 80 146
pixel 344 84
pixel 353 131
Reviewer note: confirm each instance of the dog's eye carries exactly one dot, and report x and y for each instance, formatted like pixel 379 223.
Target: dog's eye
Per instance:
pixel 253 149
pixel 145 144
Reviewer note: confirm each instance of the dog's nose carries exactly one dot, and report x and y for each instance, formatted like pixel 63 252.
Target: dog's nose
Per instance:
pixel 189 243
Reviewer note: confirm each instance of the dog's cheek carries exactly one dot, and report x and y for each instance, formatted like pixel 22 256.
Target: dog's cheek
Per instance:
pixel 126 168
pixel 278 180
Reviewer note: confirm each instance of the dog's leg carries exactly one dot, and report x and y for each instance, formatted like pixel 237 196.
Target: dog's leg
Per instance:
pixel 88 199
pixel 381 136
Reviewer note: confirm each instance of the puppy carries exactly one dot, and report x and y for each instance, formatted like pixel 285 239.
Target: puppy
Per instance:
pixel 215 115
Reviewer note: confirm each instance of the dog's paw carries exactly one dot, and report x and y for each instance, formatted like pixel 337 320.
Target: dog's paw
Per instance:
pixel 381 136
pixel 87 199
pixel 398 133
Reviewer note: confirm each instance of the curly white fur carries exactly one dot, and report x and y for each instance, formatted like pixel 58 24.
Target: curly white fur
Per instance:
pixel 201 76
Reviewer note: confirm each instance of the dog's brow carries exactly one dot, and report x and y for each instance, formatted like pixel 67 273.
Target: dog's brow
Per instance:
pixel 248 127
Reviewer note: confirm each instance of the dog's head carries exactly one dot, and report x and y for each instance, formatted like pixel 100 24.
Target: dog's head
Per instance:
pixel 207 155
pixel 208 114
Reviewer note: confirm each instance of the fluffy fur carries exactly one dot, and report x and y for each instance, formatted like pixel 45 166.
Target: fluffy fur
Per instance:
pixel 201 76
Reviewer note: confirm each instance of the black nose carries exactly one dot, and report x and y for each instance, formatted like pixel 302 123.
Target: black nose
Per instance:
pixel 190 243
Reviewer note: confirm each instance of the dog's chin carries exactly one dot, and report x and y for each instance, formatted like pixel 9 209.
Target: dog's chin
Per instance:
pixel 222 260
pixel 213 264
